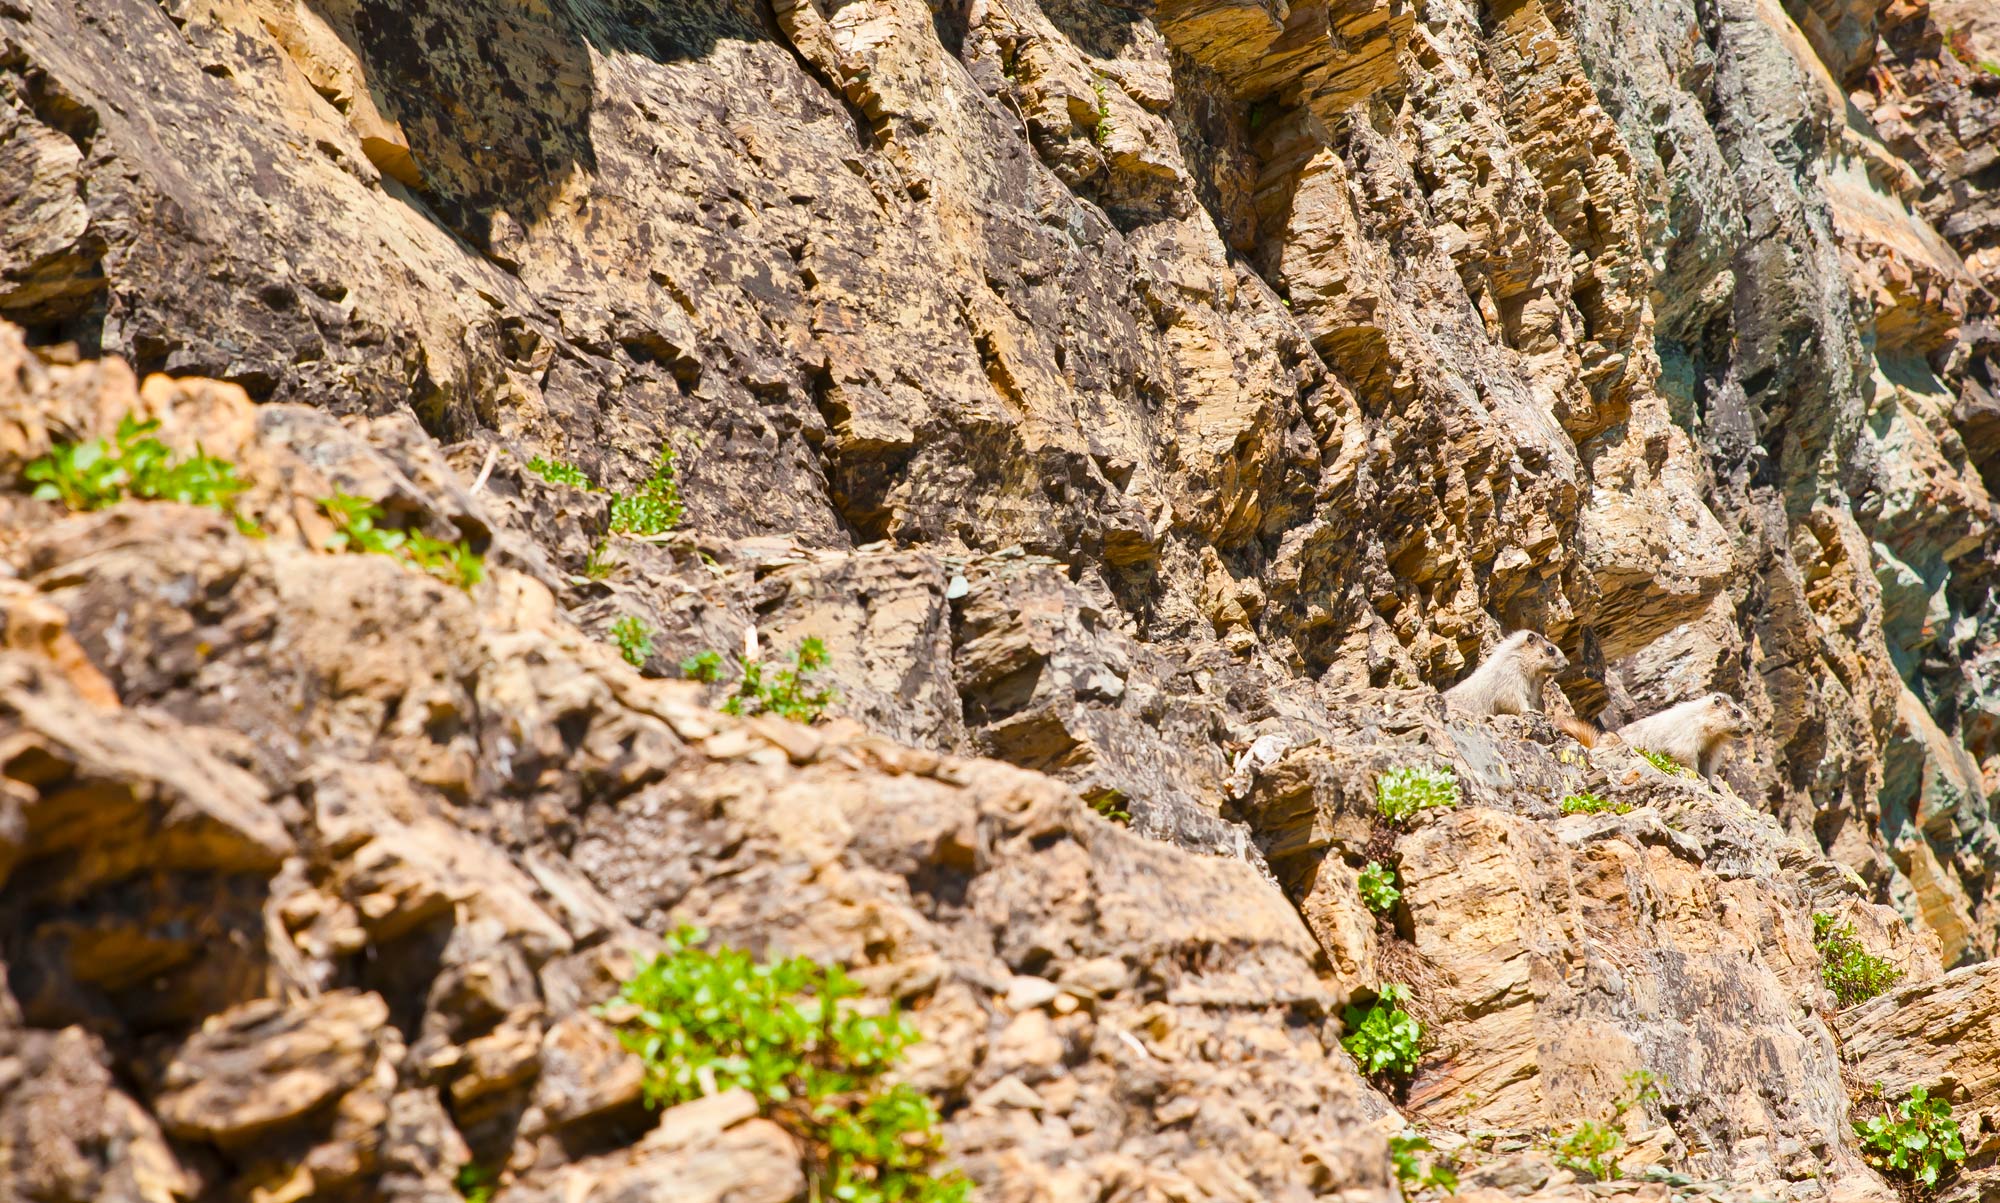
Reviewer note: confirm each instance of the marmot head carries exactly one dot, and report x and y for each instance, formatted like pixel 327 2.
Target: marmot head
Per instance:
pixel 1731 718
pixel 1538 656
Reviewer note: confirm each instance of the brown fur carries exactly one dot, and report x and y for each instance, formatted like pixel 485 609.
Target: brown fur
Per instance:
pixel 1696 733
pixel 1510 679
pixel 1582 732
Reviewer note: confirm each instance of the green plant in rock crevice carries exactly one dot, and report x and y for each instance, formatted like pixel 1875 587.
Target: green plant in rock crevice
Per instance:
pixel 634 638
pixel 1101 132
pixel 1382 1037
pixel 1591 1147
pixel 1411 1174
pixel 358 527
pixel 1402 792
pixel 475 1183
pixel 1849 970
pixel 1377 887
pixel 795 1035
pixel 600 562
pixel 655 506
pixel 1592 804
pixel 788 691
pixel 1111 804
pixel 96 473
pixel 1916 1138
pixel 562 472
pixel 703 666
pixel 1665 763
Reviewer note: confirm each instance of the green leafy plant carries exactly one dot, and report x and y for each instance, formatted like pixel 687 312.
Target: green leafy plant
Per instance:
pixel 600 561
pixel 1592 804
pixel 1849 970
pixel 703 666
pixel 358 527
pixel 1101 132
pixel 1916 1138
pixel 790 1033
pixel 1411 1174
pixel 1402 792
pixel 785 692
pixel 1665 763
pixel 655 506
pixel 96 473
pixel 1591 1147
pixel 475 1182
pixel 562 472
pixel 1382 1036
pixel 1378 887
pixel 1111 804
pixel 634 638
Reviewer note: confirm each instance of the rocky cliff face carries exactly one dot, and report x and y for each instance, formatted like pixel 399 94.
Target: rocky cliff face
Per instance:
pixel 1149 405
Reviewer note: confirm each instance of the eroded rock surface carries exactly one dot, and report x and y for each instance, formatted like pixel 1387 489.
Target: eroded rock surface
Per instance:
pixel 1157 401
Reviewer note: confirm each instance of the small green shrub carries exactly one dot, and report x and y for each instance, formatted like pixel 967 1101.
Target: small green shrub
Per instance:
pixel 1378 888
pixel 561 472
pixel 1412 1174
pixel 703 666
pixel 655 506
pixel 789 1033
pixel 1641 1086
pixel 358 527
pixel 786 692
pixel 1101 133
pixel 475 1182
pixel 1850 972
pixel 600 561
pixel 1665 763
pixel 1592 804
pixel 1383 1037
pixel 95 473
pixel 1916 1138
pixel 1592 1148
pixel 1589 1148
pixel 1111 804
pixel 1402 792
pixel 634 639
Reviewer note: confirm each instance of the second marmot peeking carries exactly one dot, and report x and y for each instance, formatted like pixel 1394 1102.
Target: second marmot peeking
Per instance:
pixel 1510 680
pixel 1695 733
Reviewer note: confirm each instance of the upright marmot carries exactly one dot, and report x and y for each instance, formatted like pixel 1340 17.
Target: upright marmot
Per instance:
pixel 1510 680
pixel 1695 733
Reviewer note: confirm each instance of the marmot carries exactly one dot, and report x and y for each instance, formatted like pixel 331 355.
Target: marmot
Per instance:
pixel 1582 732
pixel 1510 680
pixel 1695 733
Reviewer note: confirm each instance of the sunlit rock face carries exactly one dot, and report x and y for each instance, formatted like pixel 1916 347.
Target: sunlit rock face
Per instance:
pixel 1149 407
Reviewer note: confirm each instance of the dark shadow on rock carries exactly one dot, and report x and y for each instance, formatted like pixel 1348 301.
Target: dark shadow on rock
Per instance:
pixel 1098 28
pixel 495 98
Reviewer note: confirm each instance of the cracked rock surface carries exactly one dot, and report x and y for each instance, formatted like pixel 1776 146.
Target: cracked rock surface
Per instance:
pixel 1149 407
